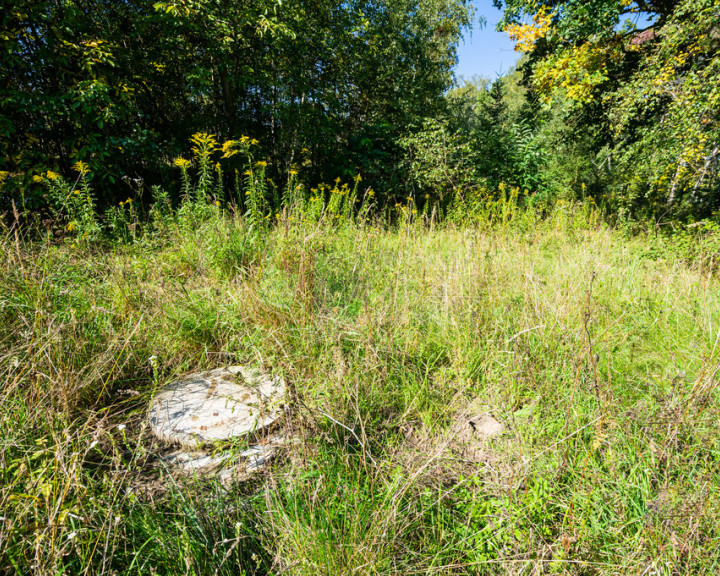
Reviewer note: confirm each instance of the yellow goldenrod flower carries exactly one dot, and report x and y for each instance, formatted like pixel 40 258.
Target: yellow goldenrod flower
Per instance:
pixel 217 202
pixel 254 142
pixel 3 175
pixel 293 172
pixel 70 227
pixel 38 179
pixel 182 163
pixel 81 167
pixel 261 164
pixel 228 148
pixel 205 141
pixel 52 175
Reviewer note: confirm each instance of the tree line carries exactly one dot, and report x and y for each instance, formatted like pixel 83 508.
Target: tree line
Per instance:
pixel 122 86
pixel 614 100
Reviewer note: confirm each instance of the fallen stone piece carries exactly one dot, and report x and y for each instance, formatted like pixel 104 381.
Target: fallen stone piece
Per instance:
pixel 216 405
pixel 485 426
pixel 195 460
pixel 227 466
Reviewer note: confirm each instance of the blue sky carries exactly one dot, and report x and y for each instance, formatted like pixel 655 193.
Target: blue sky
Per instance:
pixel 489 53
pixel 484 51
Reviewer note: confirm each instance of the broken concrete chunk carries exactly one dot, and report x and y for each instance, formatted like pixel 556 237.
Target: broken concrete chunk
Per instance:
pixel 216 405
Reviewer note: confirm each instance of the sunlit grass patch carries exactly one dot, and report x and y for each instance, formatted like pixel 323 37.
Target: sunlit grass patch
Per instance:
pixel 599 362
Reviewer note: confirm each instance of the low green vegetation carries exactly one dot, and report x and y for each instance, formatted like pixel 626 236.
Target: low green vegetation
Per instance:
pixel 597 351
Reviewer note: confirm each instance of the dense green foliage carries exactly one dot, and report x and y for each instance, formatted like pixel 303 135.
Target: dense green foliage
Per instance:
pixel 122 86
pixel 644 103
pixel 597 107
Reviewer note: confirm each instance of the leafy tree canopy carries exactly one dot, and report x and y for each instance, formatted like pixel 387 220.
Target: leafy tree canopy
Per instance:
pixel 123 85
pixel 653 92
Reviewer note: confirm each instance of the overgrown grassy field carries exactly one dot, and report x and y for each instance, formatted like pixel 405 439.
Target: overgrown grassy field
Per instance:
pixel 599 354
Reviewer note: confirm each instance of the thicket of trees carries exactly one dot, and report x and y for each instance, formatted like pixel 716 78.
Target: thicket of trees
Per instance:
pixel 123 85
pixel 599 105
pixel 639 109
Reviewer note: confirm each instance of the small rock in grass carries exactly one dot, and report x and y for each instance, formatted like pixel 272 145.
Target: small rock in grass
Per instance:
pixel 485 426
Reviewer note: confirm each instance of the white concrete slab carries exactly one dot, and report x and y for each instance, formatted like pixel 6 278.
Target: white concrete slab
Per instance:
pixel 216 405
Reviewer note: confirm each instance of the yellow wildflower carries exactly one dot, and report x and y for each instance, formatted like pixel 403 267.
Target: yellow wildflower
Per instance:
pixel 38 179
pixel 261 163
pixel 217 202
pixel 182 163
pixel 204 141
pixel 228 148
pixel 52 175
pixel 81 167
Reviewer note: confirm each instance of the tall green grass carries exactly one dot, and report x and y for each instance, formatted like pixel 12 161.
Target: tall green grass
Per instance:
pixel 598 352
